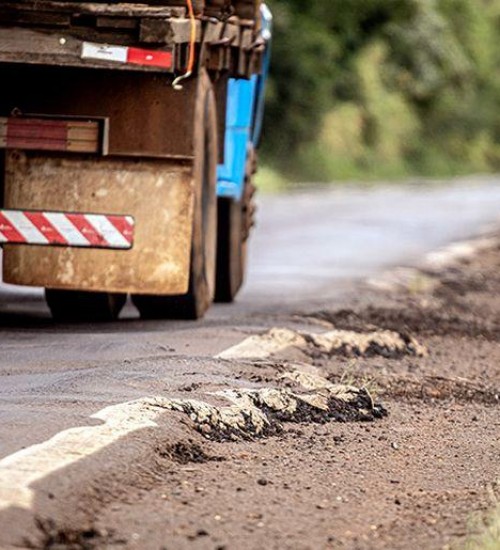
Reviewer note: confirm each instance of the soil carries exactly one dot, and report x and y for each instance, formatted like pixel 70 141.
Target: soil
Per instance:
pixel 188 452
pixel 417 477
pixel 53 538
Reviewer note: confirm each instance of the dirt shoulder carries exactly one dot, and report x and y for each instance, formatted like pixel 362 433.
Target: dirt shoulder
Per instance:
pixel 427 352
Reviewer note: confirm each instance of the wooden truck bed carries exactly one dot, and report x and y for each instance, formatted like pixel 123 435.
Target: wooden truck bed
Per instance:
pixel 131 36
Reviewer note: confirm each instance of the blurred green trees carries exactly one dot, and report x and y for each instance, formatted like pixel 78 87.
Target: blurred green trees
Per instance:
pixel 384 87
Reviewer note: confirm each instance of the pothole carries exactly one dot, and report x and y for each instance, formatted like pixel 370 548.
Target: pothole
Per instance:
pixel 255 413
pixel 223 423
pixel 287 344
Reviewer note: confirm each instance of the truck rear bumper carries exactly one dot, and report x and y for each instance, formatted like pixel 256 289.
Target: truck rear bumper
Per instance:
pixel 157 195
pixel 66 229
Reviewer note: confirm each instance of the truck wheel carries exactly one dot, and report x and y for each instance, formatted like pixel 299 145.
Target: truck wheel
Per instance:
pixel 230 250
pixel 77 306
pixel 200 295
pixel 235 220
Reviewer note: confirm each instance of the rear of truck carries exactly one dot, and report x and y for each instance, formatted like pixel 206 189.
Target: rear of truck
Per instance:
pixel 127 136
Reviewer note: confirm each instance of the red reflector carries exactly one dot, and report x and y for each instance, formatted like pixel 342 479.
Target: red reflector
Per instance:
pixel 46 134
pixel 151 58
pixel 19 128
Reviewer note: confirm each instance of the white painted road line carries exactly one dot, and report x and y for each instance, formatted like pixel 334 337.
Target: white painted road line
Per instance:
pixel 19 471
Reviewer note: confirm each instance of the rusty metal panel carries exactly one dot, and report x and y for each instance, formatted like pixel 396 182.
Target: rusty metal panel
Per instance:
pixel 147 117
pixel 159 196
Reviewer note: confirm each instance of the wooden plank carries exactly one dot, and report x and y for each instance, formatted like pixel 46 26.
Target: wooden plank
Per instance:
pixel 34 18
pixel 175 30
pixel 24 42
pixel 155 31
pixel 120 9
pixel 246 38
pixel 28 46
pixel 107 22
pixel 232 31
pixel 213 31
pixel 247 9
pixel 182 30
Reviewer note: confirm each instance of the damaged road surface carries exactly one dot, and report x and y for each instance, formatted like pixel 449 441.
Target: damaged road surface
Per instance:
pixel 360 413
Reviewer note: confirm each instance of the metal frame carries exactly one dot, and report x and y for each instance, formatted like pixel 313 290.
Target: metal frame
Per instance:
pixel 244 114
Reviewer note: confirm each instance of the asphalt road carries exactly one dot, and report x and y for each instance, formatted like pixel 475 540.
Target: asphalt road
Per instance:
pixel 310 248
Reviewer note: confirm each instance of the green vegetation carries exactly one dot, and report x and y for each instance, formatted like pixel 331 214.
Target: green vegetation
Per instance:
pixel 489 534
pixel 384 88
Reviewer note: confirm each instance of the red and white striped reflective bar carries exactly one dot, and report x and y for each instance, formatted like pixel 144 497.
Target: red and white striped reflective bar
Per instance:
pixel 123 54
pixel 66 229
pixel 52 134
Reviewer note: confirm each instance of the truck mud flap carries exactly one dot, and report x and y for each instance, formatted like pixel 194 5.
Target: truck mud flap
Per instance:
pixel 157 194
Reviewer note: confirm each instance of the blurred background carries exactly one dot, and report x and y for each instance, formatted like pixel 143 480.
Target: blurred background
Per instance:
pixel 382 89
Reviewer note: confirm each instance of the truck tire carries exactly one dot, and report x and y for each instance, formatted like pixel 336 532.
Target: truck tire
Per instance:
pixel 200 295
pixel 235 220
pixel 78 306
pixel 231 257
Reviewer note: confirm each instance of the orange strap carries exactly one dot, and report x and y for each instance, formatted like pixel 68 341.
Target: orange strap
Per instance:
pixel 192 45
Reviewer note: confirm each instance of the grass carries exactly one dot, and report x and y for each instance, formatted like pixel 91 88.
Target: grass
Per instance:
pixel 270 180
pixel 316 163
pixel 379 137
pixel 489 539
pixel 350 377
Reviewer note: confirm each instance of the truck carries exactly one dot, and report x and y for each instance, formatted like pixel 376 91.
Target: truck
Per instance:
pixel 128 137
